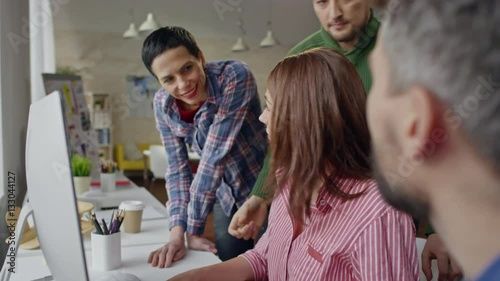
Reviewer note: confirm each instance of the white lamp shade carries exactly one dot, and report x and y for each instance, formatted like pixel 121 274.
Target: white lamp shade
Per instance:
pixel 269 40
pixel 239 46
pixel 149 24
pixel 131 32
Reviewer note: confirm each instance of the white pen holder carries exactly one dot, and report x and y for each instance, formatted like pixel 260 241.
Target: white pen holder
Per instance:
pixel 108 182
pixel 106 251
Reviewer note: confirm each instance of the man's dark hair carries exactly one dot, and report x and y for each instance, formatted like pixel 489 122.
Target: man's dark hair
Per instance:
pixel 164 39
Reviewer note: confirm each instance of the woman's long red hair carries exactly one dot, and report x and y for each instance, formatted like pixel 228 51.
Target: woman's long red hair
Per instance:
pixel 318 125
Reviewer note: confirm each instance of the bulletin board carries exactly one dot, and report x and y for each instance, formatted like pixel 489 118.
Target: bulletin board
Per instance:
pixel 81 137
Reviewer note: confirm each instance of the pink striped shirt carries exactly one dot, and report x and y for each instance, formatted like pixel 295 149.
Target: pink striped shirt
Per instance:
pixel 360 239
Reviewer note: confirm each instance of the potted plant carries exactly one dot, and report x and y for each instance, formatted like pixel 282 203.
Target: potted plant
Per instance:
pixel 81 168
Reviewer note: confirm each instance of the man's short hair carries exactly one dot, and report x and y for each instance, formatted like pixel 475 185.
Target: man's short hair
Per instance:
pixel 453 49
pixel 164 39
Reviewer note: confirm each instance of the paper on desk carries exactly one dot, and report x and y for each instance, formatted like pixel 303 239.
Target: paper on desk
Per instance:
pixel 149 213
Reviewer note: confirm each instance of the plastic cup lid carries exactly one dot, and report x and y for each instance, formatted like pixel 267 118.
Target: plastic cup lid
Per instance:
pixel 132 205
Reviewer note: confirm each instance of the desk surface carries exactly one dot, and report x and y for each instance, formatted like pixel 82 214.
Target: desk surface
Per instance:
pixel 152 232
pixel 122 193
pixel 134 261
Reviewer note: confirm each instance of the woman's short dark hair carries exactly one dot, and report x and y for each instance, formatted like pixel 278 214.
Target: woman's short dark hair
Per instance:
pixel 164 39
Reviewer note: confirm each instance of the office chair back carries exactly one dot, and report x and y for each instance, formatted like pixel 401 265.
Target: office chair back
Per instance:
pixel 158 161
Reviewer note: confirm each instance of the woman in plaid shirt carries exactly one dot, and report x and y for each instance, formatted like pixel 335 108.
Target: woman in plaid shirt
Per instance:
pixel 213 107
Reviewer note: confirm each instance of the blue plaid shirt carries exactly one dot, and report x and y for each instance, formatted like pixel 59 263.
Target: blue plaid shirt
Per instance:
pixel 228 136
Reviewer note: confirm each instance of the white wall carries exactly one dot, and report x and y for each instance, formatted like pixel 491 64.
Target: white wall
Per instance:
pixel 14 101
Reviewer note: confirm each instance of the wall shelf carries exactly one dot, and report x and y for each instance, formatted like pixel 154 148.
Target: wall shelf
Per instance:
pixel 101 113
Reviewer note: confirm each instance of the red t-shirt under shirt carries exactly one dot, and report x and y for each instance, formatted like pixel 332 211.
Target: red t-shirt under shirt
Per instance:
pixel 187 115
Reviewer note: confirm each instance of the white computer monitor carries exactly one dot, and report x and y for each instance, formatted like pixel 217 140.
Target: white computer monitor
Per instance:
pixel 51 191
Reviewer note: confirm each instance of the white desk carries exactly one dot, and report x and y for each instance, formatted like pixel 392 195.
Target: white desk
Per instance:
pixel 136 248
pixel 152 232
pixel 122 193
pixel 113 199
pixel 134 261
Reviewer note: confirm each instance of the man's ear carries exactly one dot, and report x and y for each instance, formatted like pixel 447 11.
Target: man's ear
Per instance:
pixel 424 116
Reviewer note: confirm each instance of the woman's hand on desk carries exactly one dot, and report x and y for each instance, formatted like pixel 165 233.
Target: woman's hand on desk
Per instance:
pixel 197 242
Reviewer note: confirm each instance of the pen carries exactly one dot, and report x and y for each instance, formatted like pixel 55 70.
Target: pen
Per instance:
pixel 120 220
pixel 112 226
pixel 106 231
pixel 96 224
pixel 116 222
pixel 111 220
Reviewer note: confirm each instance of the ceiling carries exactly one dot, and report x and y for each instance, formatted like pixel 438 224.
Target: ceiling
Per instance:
pixel 292 20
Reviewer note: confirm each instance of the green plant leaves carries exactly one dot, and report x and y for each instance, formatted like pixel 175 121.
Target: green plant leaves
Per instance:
pixel 80 166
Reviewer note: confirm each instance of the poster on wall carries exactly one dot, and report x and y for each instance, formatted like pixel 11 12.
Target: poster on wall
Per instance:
pixel 140 94
pixel 82 138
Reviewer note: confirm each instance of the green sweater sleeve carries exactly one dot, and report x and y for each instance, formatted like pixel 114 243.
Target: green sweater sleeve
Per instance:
pixel 259 189
pixel 429 230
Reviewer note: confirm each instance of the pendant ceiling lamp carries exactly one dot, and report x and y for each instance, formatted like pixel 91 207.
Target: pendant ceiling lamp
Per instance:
pixel 269 40
pixel 240 45
pixel 150 24
pixel 131 32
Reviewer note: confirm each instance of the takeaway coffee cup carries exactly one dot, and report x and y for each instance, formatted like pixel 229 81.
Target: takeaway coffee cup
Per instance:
pixel 133 216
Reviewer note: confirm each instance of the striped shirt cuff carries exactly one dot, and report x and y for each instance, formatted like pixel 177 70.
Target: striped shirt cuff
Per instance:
pixel 258 267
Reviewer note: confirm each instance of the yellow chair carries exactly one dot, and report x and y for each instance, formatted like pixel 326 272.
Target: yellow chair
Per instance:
pixel 124 164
